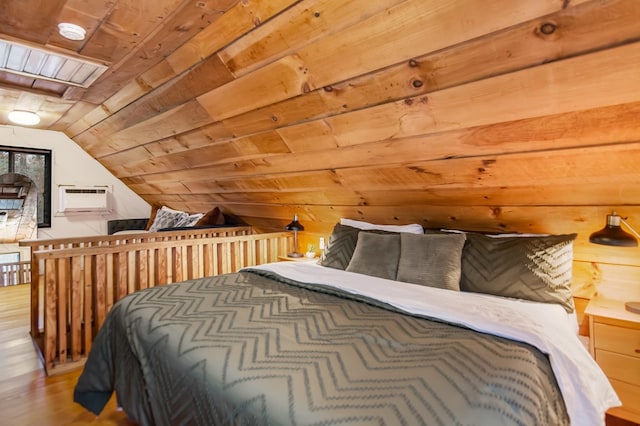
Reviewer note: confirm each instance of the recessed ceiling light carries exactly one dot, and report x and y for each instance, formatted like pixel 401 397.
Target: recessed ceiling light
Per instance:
pixel 71 31
pixel 25 118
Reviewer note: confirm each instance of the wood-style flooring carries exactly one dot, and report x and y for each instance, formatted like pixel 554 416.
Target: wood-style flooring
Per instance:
pixel 27 396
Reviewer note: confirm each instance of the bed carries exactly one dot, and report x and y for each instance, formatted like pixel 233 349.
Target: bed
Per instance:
pixel 307 343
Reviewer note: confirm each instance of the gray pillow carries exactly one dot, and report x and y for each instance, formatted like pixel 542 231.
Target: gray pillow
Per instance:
pixel 340 247
pixel 432 260
pixel 530 268
pixel 342 243
pixel 376 255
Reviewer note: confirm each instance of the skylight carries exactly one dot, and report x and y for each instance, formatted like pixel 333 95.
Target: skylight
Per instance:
pixel 29 61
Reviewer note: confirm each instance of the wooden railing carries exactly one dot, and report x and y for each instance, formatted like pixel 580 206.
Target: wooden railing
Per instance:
pixel 82 284
pixel 37 281
pixel 15 273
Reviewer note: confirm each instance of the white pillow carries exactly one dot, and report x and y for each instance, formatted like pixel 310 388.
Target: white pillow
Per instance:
pixel 514 234
pixel 130 231
pixel 413 228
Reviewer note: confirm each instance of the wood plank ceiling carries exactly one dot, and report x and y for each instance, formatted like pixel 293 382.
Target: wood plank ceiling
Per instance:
pixel 494 114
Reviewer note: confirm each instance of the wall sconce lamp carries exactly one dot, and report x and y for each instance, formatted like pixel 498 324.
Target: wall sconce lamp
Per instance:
pixel 295 226
pixel 613 235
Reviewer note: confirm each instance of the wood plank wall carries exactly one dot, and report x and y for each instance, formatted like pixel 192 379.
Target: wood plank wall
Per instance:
pixel 499 115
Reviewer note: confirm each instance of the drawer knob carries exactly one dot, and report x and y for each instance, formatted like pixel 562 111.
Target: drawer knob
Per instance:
pixel 638 351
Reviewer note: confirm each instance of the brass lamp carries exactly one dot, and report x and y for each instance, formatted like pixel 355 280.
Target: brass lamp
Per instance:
pixel 295 226
pixel 613 235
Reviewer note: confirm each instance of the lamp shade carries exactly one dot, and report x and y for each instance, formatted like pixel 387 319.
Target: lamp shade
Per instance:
pixel 612 234
pixel 294 225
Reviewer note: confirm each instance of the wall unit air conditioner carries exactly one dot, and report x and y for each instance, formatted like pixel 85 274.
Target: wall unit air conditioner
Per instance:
pixel 83 198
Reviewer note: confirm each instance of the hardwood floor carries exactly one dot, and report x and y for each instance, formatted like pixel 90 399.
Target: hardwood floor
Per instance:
pixel 27 396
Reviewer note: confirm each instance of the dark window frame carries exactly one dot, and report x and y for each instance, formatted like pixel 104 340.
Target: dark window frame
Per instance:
pixel 48 154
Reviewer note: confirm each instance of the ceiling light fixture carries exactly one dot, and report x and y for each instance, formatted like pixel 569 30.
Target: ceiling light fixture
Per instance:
pixel 25 118
pixel 71 31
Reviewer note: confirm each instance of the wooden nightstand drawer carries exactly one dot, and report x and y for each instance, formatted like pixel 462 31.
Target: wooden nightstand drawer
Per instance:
pixel 619 367
pixel 617 339
pixel 628 394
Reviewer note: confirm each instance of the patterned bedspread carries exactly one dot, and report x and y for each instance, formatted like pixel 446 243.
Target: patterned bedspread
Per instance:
pixel 247 348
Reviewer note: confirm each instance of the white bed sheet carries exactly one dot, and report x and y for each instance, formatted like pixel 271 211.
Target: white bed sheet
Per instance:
pixel 587 392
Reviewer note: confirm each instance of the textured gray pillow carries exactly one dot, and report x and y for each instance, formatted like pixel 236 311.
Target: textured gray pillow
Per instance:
pixel 530 268
pixel 342 243
pixel 376 255
pixel 340 247
pixel 432 260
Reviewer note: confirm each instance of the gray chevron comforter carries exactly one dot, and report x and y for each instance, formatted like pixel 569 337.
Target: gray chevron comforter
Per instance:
pixel 255 348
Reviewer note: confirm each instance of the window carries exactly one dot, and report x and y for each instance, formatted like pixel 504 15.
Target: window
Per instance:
pixel 36 165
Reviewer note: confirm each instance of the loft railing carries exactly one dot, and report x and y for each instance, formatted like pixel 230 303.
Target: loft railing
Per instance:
pixel 105 241
pixel 82 284
pixel 12 273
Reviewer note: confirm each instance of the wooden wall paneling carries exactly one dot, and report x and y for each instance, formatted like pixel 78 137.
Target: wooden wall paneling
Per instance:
pixel 577 166
pixel 548 89
pixel 247 148
pixel 237 21
pixel 274 82
pixel 89 15
pixel 19 19
pixel 458 197
pixel 135 89
pixel 516 135
pixel 72 115
pixel 408 30
pixel 181 119
pixel 310 197
pixel 182 23
pixel 318 60
pixel 613 9
pixel 128 24
pixel 304 23
pixel 582 220
pixel 120 162
pixel 241 17
pixel 608 280
pixel 200 79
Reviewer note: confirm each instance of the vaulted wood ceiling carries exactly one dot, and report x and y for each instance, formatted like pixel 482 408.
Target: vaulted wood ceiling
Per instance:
pixel 492 114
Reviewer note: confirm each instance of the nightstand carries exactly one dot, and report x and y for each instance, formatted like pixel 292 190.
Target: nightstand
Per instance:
pixel 615 345
pixel 297 259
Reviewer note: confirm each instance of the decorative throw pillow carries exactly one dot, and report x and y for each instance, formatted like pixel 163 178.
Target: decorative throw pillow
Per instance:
pixel 166 218
pixel 413 228
pixel 189 220
pixel 340 247
pixel 376 255
pixel 432 260
pixel 530 268
pixel 212 217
